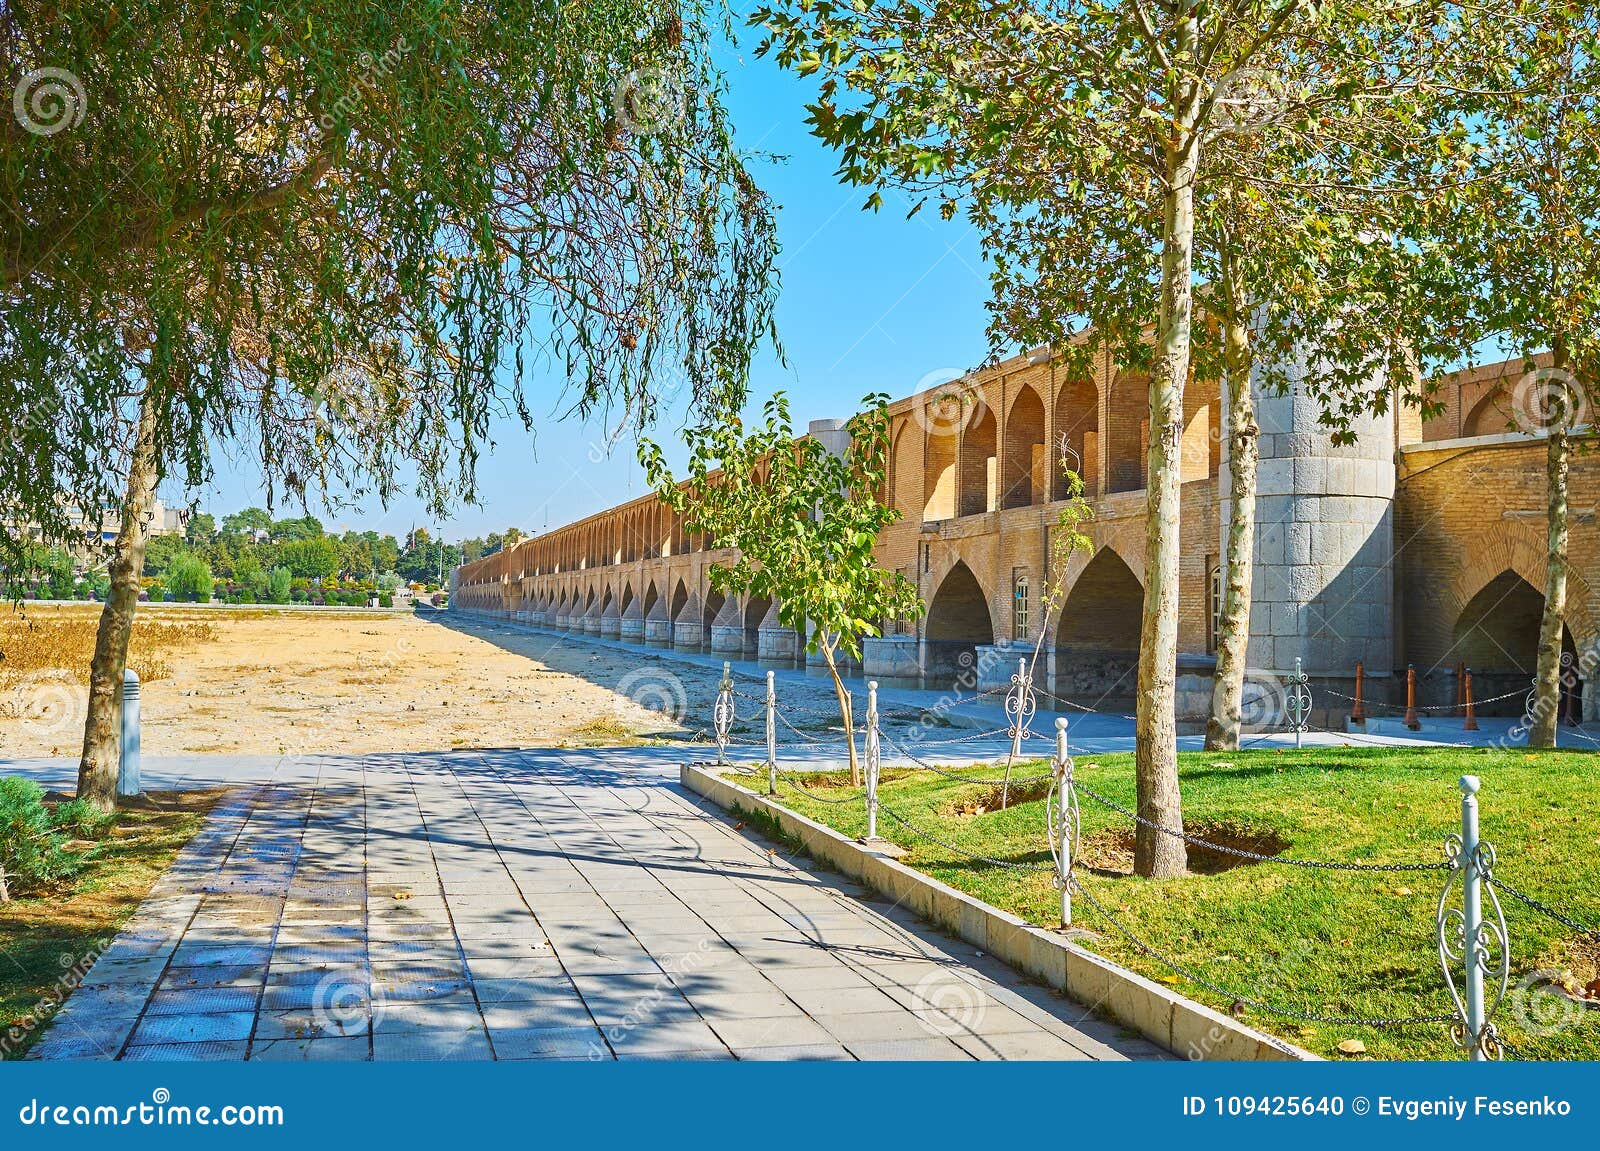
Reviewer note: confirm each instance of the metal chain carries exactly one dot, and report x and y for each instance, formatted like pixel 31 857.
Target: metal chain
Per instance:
pixel 1265 1008
pixel 1315 864
pixel 1425 706
pixel 1541 908
pixel 920 762
pixel 1011 863
pixel 784 777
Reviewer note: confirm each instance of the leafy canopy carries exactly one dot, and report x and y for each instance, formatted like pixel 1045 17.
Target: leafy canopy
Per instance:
pixel 803 519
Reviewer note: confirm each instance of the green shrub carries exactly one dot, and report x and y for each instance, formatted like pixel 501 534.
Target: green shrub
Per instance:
pixel 81 819
pixel 279 584
pixel 189 578
pixel 30 848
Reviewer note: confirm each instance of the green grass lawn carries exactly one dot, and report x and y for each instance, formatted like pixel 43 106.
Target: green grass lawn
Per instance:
pixel 1320 942
pixel 49 938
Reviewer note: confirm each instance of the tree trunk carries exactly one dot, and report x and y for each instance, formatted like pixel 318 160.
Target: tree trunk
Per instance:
pixel 97 771
pixel 1156 853
pixel 1547 678
pixel 1233 624
pixel 846 712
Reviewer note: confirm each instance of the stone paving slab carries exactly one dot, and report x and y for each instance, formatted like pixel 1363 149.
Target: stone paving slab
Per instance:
pixel 561 904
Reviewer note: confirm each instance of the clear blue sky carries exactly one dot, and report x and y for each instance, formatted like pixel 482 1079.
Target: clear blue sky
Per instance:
pixel 870 302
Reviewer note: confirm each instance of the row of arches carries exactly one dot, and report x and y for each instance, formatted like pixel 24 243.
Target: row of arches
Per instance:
pixel 953 455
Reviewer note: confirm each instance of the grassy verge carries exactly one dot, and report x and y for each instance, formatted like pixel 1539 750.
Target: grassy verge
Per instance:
pixel 1332 943
pixel 49 938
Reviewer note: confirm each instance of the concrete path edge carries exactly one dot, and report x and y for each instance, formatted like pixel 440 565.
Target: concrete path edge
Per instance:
pixel 1188 1029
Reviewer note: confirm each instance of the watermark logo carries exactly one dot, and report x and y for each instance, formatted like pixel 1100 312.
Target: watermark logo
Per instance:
pixel 1263 702
pixel 1549 400
pixel 340 1003
pixel 1248 99
pixel 947 1005
pixel 649 100
pixel 952 408
pixel 49 704
pixel 1541 1003
pixel 657 690
pixel 49 100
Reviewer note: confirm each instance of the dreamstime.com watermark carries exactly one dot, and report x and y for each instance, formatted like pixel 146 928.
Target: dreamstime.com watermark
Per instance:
pixel 158 1111
pixel 372 69
pixel 73 970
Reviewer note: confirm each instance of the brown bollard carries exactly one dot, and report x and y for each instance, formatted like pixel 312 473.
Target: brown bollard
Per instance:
pixel 1461 688
pixel 1411 698
pixel 1471 723
pixel 1357 714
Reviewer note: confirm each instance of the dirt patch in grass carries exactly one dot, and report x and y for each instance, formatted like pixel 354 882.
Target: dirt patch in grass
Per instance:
pixel 50 938
pixel 992 798
pixel 1110 852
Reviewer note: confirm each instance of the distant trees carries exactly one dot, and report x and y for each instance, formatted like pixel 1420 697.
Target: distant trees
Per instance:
pixel 189 578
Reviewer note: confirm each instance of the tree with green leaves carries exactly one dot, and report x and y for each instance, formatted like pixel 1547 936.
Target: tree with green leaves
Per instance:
pixel 348 234
pixel 804 517
pixel 1524 247
pixel 1095 122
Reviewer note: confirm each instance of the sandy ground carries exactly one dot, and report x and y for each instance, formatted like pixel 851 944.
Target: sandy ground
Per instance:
pixel 300 683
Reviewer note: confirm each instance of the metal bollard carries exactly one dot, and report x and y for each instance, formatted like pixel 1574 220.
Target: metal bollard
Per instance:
pixel 722 714
pixel 1063 813
pixel 1299 701
pixel 128 786
pixel 872 756
pixel 1466 939
pixel 772 736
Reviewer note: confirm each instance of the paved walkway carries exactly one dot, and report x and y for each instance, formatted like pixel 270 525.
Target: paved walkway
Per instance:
pixel 529 905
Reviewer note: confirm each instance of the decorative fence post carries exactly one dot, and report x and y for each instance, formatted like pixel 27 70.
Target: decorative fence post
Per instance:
pixel 872 755
pixel 1466 939
pixel 1066 825
pixel 1020 707
pixel 1299 701
pixel 722 714
pixel 1357 713
pixel 772 736
pixel 1412 721
pixel 128 784
pixel 1471 722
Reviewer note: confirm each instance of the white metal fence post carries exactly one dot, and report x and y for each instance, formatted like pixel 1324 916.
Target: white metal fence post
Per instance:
pixel 128 785
pixel 772 736
pixel 1063 814
pixel 872 759
pixel 722 714
pixel 1466 938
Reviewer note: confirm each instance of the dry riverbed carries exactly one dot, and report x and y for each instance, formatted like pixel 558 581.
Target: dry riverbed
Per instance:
pixel 285 682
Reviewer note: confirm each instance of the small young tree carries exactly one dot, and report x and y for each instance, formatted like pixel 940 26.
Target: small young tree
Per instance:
pixel 804 520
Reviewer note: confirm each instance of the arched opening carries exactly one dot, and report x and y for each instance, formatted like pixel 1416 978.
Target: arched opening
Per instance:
pixel 939 467
pixel 1026 475
pixel 680 596
pixel 755 610
pixel 1129 432
pixel 627 598
pixel 958 621
pixel 1078 433
pixel 1497 637
pixel 1490 416
pixel 907 493
pixel 978 478
pixel 650 597
pixel 714 604
pixel 1097 638
pixel 1200 449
